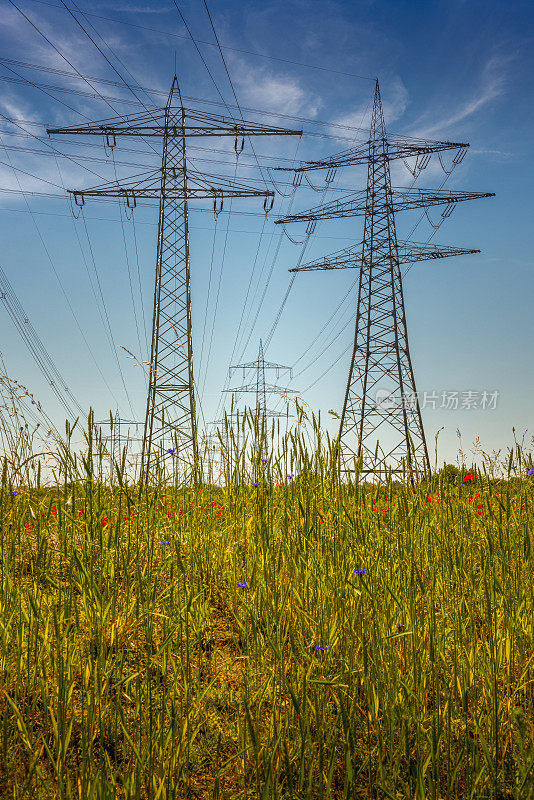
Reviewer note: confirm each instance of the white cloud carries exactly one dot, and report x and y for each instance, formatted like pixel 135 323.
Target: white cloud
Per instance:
pixel 395 98
pixel 492 85
pixel 265 89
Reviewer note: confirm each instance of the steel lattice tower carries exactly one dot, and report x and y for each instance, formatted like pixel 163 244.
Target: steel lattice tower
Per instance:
pixel 261 389
pixel 381 398
pixel 170 422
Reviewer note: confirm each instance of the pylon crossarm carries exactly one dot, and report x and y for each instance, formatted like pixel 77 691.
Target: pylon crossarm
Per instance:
pixel 147 186
pixel 254 365
pixel 252 387
pixel 394 147
pixel 152 123
pixel 402 200
pixel 351 257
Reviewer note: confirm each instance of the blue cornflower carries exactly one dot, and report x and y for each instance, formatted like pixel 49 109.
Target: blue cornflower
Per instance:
pixel 165 542
pixel 13 494
pixel 360 570
pixel 242 585
pixel 264 460
pixel 401 626
pixel 322 647
pixel 290 476
pixel 254 484
pixel 171 450
pixel 531 472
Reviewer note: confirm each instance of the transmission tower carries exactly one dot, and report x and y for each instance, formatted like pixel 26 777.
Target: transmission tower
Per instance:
pixel 119 436
pixel 381 398
pixel 170 421
pixel 261 388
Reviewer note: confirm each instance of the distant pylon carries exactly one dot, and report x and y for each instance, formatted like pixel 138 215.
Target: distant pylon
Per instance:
pixel 170 422
pixel 260 387
pixel 381 400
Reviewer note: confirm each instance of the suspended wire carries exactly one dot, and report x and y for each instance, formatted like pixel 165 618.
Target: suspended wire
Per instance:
pixel 45 248
pixel 327 370
pixel 112 340
pixel 218 287
pixel 24 80
pixel 210 44
pixel 126 101
pixel 52 45
pixel 128 264
pixel 248 287
pixel 238 338
pixel 233 90
pixel 208 294
pixel 104 56
pixel 145 328
pixel 325 326
pixel 151 224
pixel 36 347
pixel 26 409
pixel 114 54
pixel 351 318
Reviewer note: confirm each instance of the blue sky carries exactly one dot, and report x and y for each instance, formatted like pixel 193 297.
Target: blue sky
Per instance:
pixel 456 70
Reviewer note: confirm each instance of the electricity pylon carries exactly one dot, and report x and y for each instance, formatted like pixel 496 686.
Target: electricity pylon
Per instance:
pixel 118 437
pixel 261 389
pixel 381 397
pixel 170 421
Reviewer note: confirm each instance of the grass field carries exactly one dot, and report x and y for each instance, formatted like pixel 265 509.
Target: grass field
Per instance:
pixel 208 641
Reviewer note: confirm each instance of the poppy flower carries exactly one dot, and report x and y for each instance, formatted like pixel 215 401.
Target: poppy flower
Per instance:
pixel 105 522
pixel 468 477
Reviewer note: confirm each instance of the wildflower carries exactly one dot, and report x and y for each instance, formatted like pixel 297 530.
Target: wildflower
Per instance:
pixel 171 450
pixel 264 461
pixel 401 626
pixel 360 570
pixel 322 647
pixel 13 494
pixel 105 522
pixel 54 510
pixel 254 484
pixel 468 477
pixel 290 476
pixel 164 542
pixel 242 585
pixel 531 473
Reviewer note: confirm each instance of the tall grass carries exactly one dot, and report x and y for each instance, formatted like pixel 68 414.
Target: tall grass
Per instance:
pixel 132 665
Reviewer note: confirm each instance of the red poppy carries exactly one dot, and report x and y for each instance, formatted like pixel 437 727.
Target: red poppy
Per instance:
pixel 468 477
pixel 54 510
pixel 105 522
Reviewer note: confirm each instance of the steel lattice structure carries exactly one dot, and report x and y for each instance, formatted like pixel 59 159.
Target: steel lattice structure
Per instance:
pixel 170 421
pixel 260 387
pixel 381 398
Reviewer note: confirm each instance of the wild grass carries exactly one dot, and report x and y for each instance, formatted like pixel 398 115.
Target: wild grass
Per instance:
pixel 133 665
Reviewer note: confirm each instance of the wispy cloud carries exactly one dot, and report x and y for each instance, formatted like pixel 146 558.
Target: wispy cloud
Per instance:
pixel 492 85
pixel 273 91
pixel 395 99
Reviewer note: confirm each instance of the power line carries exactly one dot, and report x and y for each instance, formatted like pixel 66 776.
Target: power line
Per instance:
pixel 225 47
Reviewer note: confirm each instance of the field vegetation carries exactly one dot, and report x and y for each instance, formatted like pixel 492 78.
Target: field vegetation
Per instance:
pixel 282 633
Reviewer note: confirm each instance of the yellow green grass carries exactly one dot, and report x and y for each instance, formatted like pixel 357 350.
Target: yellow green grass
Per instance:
pixel 130 668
